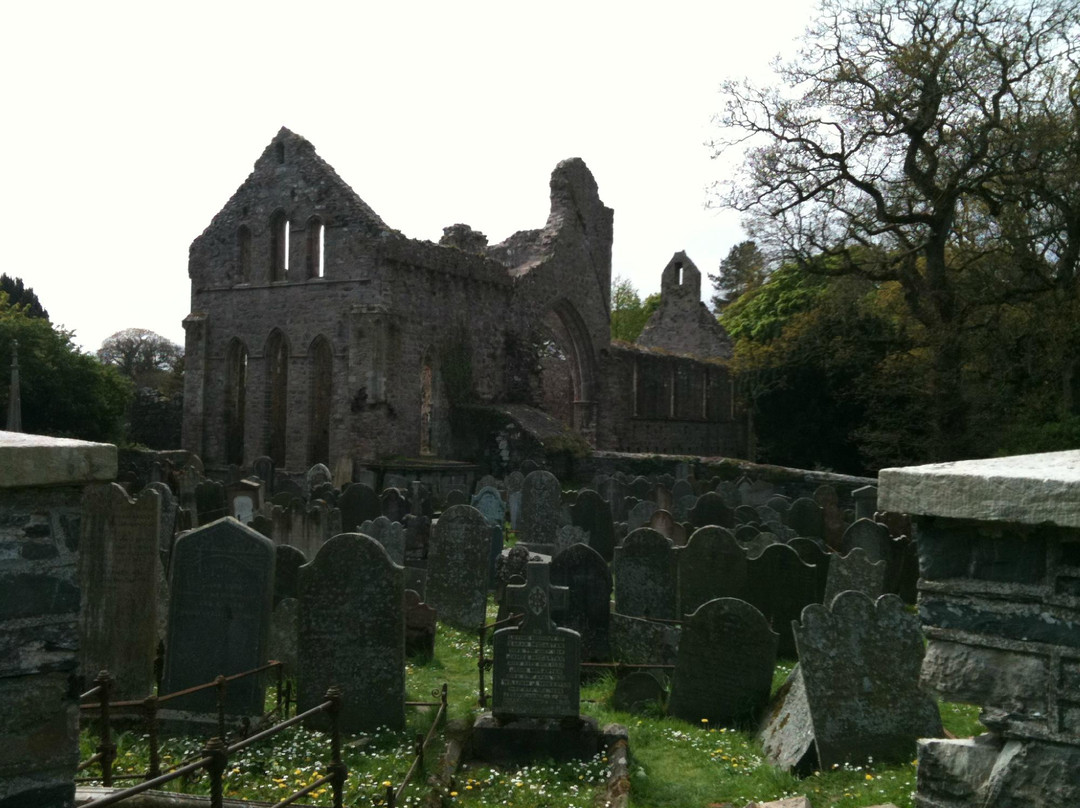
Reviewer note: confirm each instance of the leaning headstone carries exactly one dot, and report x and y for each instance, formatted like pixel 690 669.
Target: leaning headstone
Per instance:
pixel 856 572
pixel 710 509
pixel 724 669
pixel 351 633
pixel 287 563
pixel 587 579
pixel 420 625
pixel 358 503
pixel 221 592
pixel 645 576
pixel 640 693
pixel 391 535
pixel 781 586
pixel 536 662
pixel 515 482
pixel 878 647
pixel 541 500
pixel 593 515
pixel 119 567
pixel 457 567
pixel 711 565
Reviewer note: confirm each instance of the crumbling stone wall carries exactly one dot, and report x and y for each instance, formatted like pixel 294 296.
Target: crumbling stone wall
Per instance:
pixel 297 265
pixel 999 596
pixel 682 323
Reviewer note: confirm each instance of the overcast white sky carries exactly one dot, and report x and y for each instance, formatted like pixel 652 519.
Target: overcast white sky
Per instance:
pixel 128 125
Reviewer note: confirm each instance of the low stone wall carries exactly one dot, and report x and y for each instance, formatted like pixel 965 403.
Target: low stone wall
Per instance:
pixel 999 560
pixel 41 485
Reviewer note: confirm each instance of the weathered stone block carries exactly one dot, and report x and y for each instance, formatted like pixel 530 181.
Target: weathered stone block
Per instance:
pixel 1012 681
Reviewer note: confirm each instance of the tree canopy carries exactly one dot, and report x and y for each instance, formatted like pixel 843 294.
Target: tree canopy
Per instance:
pixel 743 269
pixel 144 356
pixel 925 144
pixel 629 313
pixel 22 296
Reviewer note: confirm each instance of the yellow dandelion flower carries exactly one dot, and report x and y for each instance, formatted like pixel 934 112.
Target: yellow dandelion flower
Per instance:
pixel 869 777
pixel 453 793
pixel 386 783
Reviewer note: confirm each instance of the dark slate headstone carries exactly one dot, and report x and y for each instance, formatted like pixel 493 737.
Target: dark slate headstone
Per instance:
pixel 860 664
pixel 585 574
pixel 119 565
pixel 871 537
pixel 210 502
pixel 711 565
pixel 855 571
pixel 394 505
pixel 746 515
pixel 420 626
pixel 779 503
pixel 490 503
pixel 536 663
pixel 640 515
pixel 458 567
pixel 283 639
pixel 805 517
pixel 865 501
pixel 728 491
pixel 745 534
pixel 417 537
pixel 710 509
pixel 593 515
pixel 391 535
pixel 420 501
pixel 541 501
pixel 683 506
pixel 640 693
pixel 221 592
pixel 358 503
pixel 352 633
pixel 287 563
pixel 724 669
pixel 645 576
pixel 812 552
pixel 681 488
pixel 567 536
pixel 614 493
pixel 641 488
pixel 455 496
pixel 637 641
pixel 515 482
pixel 757 545
pixel 781 586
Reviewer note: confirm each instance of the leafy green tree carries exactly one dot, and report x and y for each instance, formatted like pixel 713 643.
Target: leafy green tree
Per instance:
pixel 743 270
pixel 144 356
pixel 899 144
pixel 64 392
pixel 23 296
pixel 629 313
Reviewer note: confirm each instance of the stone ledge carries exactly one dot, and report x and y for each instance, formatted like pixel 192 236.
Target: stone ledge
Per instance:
pixel 1028 489
pixel 38 460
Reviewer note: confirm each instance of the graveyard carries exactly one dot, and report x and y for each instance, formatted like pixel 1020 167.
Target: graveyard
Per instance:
pixel 708 634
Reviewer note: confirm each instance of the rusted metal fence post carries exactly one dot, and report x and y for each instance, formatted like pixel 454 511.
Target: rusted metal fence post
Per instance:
pixel 480 666
pixel 150 708
pixel 337 769
pixel 390 801
pixel 222 685
pixel 219 759
pixel 106 748
pixel 280 684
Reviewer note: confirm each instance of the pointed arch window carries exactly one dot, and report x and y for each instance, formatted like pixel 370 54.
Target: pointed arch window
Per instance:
pixel 321 370
pixel 236 367
pixel 277 395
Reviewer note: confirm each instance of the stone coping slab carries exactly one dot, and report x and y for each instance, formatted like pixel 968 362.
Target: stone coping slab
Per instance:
pixel 1027 489
pixel 40 460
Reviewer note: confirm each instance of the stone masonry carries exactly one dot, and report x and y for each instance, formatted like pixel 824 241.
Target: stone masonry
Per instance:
pixel 999 596
pixel 318 333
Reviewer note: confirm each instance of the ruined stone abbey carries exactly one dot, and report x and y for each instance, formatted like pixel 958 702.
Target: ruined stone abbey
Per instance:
pixel 319 334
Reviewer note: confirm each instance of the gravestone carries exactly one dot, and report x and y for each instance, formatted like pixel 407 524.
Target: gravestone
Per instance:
pixel 587 611
pixel 662 497
pixel 806 518
pixel 871 536
pixel 489 502
pixel 541 500
pixel 567 536
pixel 119 566
pixel 393 480
pixel 614 491
pixel 680 489
pixel 711 565
pixel 420 625
pixel 779 503
pixel 710 509
pixel 283 639
pixel 287 563
pixel 832 515
pixel 682 507
pixel 263 468
pixel 221 592
pixel 645 576
pixel 536 663
pixel 780 585
pixel 745 534
pixel 316 476
pixel 746 515
pixel 641 488
pixel 757 545
pixel 458 567
pixel 856 572
pixel 724 668
pixel 636 641
pixel 393 504
pixel 812 552
pixel 593 515
pixel 391 535
pixel 358 503
pixel 515 481
pixel 865 499
pixel 210 502
pixel 243 499
pixel 417 537
pixel 167 524
pixel 728 491
pixel 663 523
pixel 640 693
pixel 640 515
pixel 876 648
pixel 351 634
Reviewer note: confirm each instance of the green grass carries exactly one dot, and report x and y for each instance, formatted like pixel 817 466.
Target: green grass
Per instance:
pixel 673 764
